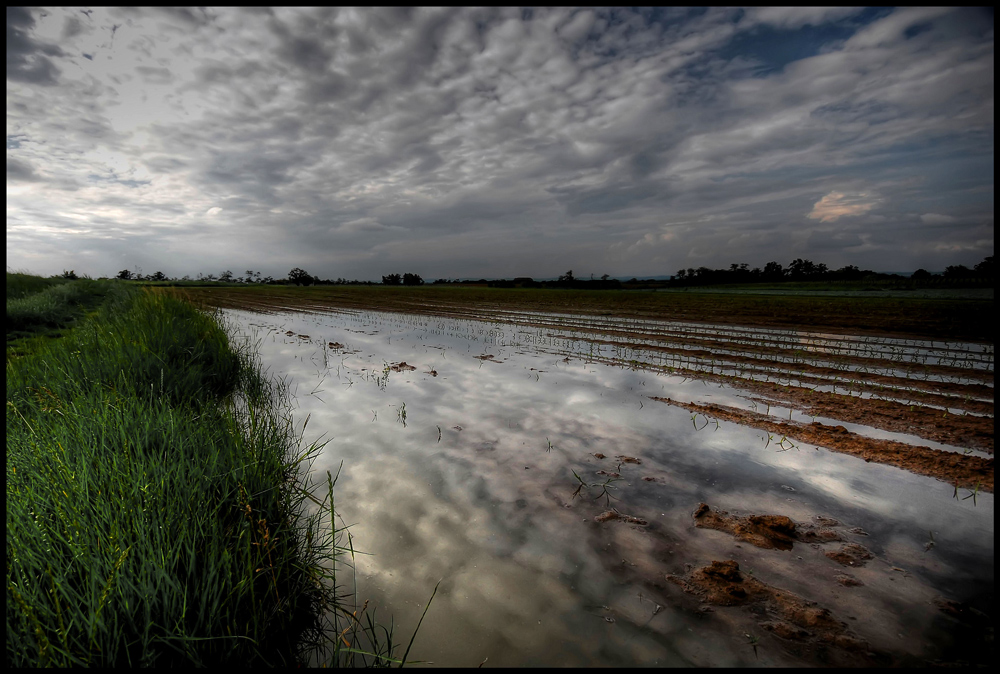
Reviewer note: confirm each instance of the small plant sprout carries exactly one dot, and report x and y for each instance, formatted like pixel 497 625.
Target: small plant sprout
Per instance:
pixel 753 641
pixel 549 443
pixel 973 493
pixel 604 486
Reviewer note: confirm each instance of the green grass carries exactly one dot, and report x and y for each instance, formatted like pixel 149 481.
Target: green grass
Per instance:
pixel 39 307
pixel 21 284
pixel 156 503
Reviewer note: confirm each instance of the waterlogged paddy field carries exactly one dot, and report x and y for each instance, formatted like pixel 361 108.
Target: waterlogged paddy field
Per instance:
pixel 577 517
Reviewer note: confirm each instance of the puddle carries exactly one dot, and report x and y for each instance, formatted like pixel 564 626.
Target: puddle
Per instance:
pixel 556 501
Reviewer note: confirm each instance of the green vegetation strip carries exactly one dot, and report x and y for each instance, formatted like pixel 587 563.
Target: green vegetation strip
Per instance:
pixel 926 318
pixel 155 505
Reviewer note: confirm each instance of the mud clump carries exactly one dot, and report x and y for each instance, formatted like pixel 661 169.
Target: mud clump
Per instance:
pixel 848 581
pixel 786 630
pixel 402 366
pixel 819 536
pixel 791 617
pixel 611 516
pixel 764 531
pixel 771 532
pixel 850 554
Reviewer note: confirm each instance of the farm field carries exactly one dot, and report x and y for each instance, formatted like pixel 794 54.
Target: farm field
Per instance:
pixel 615 488
pixel 957 316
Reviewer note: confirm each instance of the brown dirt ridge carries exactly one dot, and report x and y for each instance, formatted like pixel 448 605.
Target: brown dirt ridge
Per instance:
pixel 958 469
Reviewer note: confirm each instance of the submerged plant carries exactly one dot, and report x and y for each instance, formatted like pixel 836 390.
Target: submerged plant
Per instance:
pixel 604 486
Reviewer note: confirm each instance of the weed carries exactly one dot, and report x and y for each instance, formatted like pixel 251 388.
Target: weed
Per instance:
pixel 604 486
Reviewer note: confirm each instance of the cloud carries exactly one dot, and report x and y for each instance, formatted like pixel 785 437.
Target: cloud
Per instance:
pixel 484 139
pixel 28 59
pixel 20 171
pixel 797 17
pixel 936 219
pixel 838 205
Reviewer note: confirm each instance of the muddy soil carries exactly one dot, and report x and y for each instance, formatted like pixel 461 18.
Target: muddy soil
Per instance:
pixel 786 615
pixel 973 472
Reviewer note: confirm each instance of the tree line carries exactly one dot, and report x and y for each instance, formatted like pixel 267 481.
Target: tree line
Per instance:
pixel 798 270
pixel 807 270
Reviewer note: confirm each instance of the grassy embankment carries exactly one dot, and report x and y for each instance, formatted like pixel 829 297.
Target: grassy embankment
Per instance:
pixel 155 494
pixel 965 319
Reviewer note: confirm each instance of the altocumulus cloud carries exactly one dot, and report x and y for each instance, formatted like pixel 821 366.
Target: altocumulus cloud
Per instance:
pixel 497 142
pixel 837 205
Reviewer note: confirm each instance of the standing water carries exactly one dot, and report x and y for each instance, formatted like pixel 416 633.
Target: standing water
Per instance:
pixel 556 501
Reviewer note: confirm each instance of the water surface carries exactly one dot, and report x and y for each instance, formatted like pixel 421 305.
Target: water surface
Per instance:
pixel 469 468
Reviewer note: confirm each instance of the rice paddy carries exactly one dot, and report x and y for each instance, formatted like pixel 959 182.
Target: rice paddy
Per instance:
pixel 525 465
pixel 526 485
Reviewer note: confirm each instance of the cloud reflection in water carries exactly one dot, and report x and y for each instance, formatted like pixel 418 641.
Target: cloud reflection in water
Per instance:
pixel 529 576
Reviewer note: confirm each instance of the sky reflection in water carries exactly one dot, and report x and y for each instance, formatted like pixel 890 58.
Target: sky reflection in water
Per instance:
pixel 476 487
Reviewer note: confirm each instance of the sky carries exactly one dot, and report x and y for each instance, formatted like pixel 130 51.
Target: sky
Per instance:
pixel 468 143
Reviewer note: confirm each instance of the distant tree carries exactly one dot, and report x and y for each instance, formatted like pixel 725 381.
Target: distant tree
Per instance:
pixel 125 275
pixel 412 280
pixel 568 276
pixel 850 272
pixel 799 268
pixel 186 277
pixel 957 271
pixel 300 277
pixel 71 274
pixel 392 279
pixel 985 268
pixel 605 277
pixel 919 275
pixel 158 276
pixel 226 276
pixel 268 280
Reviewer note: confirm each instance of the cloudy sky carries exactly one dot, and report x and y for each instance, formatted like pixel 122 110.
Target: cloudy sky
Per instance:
pixel 493 142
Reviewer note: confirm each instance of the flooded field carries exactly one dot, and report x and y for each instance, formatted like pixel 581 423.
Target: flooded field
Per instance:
pixel 603 492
